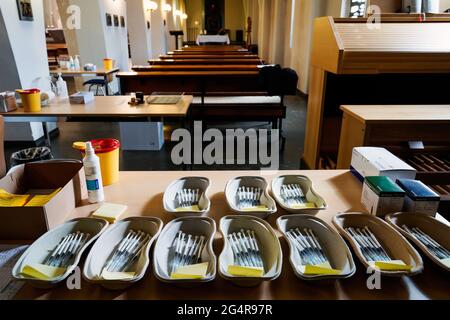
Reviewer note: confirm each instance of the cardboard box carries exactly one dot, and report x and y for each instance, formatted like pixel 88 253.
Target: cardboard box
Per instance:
pixel 369 162
pixel 381 196
pixel 141 136
pixel 29 223
pixel 419 198
pixel 82 97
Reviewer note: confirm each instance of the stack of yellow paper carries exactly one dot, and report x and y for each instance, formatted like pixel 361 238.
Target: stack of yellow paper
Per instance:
pixel 12 200
pixel 239 271
pixel 394 265
pixel 256 209
pixel 320 269
pixel 106 275
pixel 308 205
pixel 110 212
pixel 42 200
pixel 196 271
pixel 42 272
pixel 189 209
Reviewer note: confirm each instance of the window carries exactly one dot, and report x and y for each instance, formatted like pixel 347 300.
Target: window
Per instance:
pixel 357 8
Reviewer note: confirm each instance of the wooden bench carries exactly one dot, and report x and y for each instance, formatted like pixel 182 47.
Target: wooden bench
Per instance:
pixel 206 61
pixel 240 106
pixel 194 82
pixel 212 67
pixel 208 56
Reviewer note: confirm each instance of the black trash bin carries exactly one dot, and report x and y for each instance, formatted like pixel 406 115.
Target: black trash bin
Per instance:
pixel 31 155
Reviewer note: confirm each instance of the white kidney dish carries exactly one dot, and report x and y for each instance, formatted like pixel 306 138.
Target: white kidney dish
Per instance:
pixel 307 187
pixel 107 244
pixel 231 194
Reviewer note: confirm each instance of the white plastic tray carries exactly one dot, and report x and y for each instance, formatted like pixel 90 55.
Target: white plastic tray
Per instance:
pixel 164 253
pixel 256 182
pixel 307 187
pixel 42 247
pixel 109 241
pixel 332 244
pixel 269 245
pixel 170 194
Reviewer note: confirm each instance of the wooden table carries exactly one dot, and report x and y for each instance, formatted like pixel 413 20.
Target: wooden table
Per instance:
pixel 106 74
pixel 143 192
pixel 101 107
pixel 374 125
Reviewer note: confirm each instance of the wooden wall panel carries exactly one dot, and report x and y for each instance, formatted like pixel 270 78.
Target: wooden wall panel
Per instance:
pixel 388 6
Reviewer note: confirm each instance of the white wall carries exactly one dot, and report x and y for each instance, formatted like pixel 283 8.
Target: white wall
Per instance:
pixel 27 41
pixel 140 43
pixel 116 40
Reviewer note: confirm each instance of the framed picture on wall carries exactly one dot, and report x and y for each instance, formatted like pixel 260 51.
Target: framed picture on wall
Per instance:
pixel 25 10
pixel 116 20
pixel 108 20
pixel 122 21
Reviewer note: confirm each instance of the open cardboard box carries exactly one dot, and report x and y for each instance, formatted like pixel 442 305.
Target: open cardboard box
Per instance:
pixel 29 223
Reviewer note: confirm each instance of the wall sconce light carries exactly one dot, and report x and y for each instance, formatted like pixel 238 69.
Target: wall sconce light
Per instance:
pixel 152 6
pixel 167 7
pixel 184 16
pixel 178 13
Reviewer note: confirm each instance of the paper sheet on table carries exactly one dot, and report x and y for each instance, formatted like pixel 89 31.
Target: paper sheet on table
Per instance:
pixel 8 258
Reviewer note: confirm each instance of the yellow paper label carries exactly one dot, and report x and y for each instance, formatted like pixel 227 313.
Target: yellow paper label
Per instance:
pixel 394 265
pixel 42 200
pixel 189 209
pixel 106 275
pixel 308 205
pixel 320 269
pixel 196 271
pixel 446 262
pixel 42 272
pixel 256 209
pixel 110 212
pixel 12 200
pixel 239 271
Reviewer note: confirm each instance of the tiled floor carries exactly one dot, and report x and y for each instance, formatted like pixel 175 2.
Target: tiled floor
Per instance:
pixel 293 126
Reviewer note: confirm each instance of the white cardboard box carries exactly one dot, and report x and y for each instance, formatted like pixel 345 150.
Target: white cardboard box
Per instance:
pixel 141 136
pixel 369 161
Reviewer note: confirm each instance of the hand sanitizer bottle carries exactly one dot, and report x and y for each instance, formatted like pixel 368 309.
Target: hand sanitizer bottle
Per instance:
pixel 93 175
pixel 77 63
pixel 61 87
pixel 71 63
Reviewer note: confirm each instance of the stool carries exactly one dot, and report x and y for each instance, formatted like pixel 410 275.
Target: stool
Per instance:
pixel 98 84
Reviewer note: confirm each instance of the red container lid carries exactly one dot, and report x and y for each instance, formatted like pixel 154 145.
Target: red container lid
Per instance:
pixel 105 145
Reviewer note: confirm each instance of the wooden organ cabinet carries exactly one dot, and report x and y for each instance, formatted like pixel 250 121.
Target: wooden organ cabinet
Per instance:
pixel 404 62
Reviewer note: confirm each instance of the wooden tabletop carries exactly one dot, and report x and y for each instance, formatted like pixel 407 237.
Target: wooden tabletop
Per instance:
pixel 204 61
pixel 186 73
pixel 56 46
pixel 110 106
pixel 143 193
pixel 210 67
pixel 98 72
pixel 209 56
pixel 398 113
